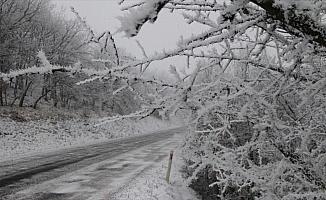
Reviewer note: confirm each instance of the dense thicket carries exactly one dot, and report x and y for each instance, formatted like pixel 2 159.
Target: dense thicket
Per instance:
pixel 256 94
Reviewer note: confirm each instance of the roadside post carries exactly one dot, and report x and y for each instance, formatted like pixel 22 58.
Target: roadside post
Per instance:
pixel 169 167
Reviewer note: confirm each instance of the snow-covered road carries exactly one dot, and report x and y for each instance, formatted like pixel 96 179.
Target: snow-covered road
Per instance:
pixel 90 172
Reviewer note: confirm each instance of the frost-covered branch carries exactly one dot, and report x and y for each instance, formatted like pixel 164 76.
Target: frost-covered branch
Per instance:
pixel 46 68
pixel 254 94
pixel 136 18
pixel 296 17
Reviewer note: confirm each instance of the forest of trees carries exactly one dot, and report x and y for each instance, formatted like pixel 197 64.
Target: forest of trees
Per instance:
pixel 32 26
pixel 256 97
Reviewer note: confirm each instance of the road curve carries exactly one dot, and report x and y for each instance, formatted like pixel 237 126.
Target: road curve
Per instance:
pixel 24 173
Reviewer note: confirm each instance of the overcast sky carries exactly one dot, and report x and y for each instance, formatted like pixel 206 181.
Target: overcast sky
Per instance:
pixel 163 34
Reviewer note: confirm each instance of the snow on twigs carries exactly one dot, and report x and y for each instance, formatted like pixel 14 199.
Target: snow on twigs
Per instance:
pixel 46 68
pixel 255 95
pixel 132 22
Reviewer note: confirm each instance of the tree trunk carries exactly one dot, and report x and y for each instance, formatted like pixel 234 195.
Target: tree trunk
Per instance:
pixel 23 95
pixel 13 102
pixel 62 97
pixel 5 94
pixel 15 87
pixel 45 87
pixel 43 95
pixel 68 103
pixel 54 95
pixel 1 92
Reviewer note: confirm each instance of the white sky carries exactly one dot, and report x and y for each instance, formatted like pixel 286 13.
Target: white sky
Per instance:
pixel 163 34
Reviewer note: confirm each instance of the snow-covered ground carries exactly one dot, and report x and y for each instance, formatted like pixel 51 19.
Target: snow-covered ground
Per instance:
pixel 151 184
pixel 136 175
pixel 18 139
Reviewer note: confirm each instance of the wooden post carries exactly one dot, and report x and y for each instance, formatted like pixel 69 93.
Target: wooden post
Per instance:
pixel 169 167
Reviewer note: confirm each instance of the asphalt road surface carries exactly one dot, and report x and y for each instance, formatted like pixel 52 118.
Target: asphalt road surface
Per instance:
pixel 35 175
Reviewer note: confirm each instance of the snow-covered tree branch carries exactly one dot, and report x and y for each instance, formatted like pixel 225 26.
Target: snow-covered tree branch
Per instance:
pixel 255 94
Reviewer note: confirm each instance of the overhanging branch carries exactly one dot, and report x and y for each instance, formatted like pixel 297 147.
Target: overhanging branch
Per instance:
pixel 296 23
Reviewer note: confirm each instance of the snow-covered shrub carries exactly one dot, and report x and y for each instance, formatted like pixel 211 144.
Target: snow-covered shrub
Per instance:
pixel 255 97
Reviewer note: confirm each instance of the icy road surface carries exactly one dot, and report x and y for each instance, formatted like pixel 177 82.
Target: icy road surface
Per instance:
pixel 92 172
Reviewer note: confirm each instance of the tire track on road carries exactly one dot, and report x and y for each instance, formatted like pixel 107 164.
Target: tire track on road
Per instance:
pixel 27 173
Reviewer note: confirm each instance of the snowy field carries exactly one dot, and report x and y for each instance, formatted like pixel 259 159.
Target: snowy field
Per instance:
pixel 19 139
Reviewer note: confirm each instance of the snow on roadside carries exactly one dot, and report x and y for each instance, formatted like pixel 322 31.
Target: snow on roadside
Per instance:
pixel 137 174
pixel 151 184
pixel 19 139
